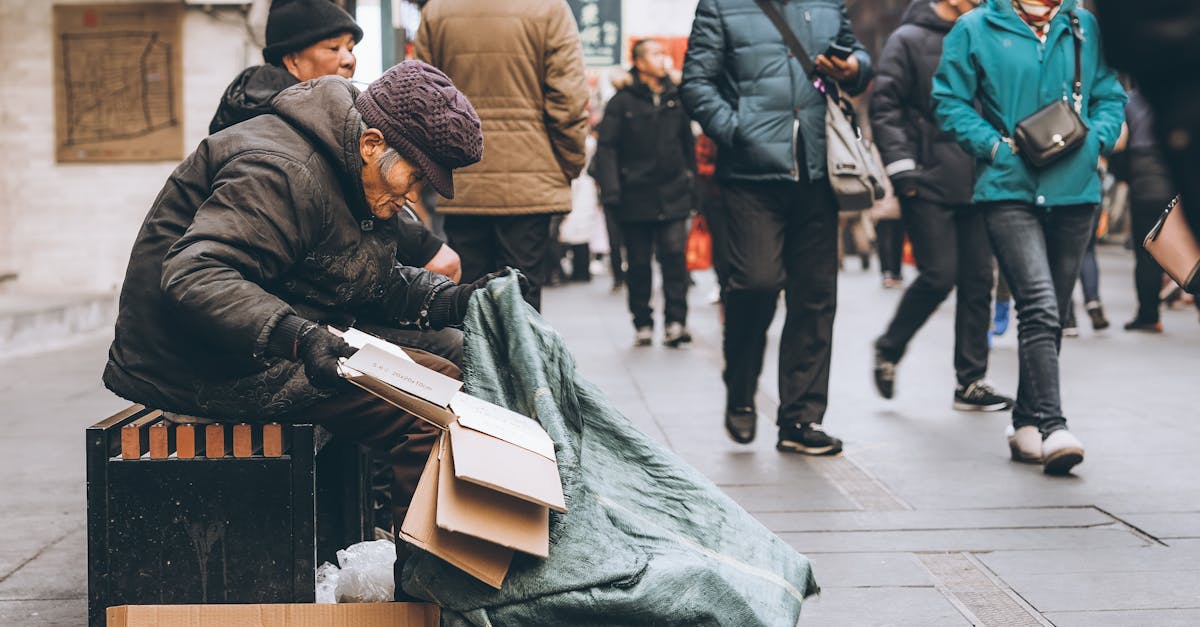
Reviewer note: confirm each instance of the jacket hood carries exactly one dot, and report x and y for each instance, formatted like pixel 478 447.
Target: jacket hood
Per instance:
pixel 921 13
pixel 250 94
pixel 323 109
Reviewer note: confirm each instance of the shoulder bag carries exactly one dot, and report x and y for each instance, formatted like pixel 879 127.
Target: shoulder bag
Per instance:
pixel 855 174
pixel 1173 245
pixel 1057 129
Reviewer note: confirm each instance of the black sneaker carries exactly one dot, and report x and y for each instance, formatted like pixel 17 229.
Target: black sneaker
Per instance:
pixel 676 335
pixel 885 375
pixel 1145 326
pixel 807 438
pixel 1095 311
pixel 740 423
pixel 643 336
pixel 979 396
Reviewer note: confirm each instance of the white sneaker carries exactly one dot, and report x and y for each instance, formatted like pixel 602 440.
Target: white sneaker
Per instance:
pixel 1025 444
pixel 1061 451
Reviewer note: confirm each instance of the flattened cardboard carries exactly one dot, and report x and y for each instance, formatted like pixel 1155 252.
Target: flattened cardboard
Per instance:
pixel 419 407
pixel 493 463
pixel 482 560
pixel 477 511
pixel 506 424
pixel 404 374
pixel 282 615
pixel 358 339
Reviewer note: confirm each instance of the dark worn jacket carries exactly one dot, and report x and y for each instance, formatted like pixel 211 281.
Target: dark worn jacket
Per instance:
pixel 265 219
pixel 1149 177
pixel 917 153
pixel 645 159
pixel 742 85
pixel 250 95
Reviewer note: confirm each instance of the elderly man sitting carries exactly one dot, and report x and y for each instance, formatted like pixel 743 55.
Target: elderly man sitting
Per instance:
pixel 280 226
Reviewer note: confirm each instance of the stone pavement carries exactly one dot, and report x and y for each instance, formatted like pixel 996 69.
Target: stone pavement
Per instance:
pixel 923 521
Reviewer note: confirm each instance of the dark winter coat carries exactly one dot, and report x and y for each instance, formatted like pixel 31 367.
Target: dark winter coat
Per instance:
pixel 1149 176
pixel 250 95
pixel 917 154
pixel 645 159
pixel 265 219
pixel 751 97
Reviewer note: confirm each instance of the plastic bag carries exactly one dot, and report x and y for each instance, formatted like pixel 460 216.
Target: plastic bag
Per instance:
pixel 699 246
pixel 327 580
pixel 366 575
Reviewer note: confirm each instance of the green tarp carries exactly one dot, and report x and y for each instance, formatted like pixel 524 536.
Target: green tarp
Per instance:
pixel 647 540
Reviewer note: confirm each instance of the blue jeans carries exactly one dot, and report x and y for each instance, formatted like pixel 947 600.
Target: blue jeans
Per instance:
pixel 1039 251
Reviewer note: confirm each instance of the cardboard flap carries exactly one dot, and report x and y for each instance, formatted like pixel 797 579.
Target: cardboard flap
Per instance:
pixel 496 421
pixel 482 560
pixel 404 374
pixel 421 408
pixel 358 339
pixel 489 515
pixel 494 463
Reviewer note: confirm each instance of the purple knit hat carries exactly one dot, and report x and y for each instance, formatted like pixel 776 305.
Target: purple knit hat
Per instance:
pixel 426 119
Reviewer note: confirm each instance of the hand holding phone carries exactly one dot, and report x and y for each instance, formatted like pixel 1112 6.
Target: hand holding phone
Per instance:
pixel 838 51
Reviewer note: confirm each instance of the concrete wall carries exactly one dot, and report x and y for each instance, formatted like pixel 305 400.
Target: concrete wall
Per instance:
pixel 69 227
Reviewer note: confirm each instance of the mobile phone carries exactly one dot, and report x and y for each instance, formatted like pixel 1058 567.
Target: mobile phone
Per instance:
pixel 839 51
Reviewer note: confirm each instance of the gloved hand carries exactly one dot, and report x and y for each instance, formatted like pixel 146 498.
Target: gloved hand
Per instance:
pixel 313 345
pixel 905 184
pixel 449 307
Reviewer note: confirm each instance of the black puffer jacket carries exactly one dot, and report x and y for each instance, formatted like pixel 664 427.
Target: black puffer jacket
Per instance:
pixel 916 152
pixel 645 159
pixel 264 220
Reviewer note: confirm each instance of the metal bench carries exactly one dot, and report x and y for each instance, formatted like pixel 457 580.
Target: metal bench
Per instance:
pixel 216 513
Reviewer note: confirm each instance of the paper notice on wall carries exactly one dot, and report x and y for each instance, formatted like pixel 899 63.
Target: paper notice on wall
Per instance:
pixel 404 374
pixel 480 415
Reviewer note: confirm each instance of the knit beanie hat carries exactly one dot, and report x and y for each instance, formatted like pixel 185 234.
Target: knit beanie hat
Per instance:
pixel 426 119
pixel 294 25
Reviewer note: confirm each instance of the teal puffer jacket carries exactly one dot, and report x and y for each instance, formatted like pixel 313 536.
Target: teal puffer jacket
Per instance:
pixel 992 57
pixel 741 85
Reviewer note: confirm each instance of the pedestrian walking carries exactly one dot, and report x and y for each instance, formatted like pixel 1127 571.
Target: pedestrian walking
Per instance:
pixel 254 247
pixel 1014 58
pixel 932 177
pixel 521 65
pixel 768 120
pixel 646 171
pixel 1150 191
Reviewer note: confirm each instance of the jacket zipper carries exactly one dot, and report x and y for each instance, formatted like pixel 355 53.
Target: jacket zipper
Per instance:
pixel 795 147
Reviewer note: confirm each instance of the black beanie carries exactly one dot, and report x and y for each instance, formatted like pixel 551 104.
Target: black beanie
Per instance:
pixel 293 25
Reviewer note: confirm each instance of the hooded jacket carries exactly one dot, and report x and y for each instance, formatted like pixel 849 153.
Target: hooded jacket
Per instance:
pixel 645 159
pixel 521 65
pixel 752 98
pixel 250 95
pixel 992 55
pixel 265 219
pixel 917 153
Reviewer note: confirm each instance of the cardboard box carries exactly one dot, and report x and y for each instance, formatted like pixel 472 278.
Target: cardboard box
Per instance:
pixel 491 480
pixel 283 615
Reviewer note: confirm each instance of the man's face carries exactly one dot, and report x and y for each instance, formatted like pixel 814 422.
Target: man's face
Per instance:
pixel 389 180
pixel 964 6
pixel 326 57
pixel 653 61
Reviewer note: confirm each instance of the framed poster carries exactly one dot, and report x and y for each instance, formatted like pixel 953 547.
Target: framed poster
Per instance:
pixel 599 31
pixel 118 82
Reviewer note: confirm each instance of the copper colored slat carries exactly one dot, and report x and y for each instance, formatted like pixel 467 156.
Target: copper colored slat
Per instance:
pixel 272 440
pixel 134 436
pixel 243 444
pixel 185 441
pixel 160 447
pixel 214 441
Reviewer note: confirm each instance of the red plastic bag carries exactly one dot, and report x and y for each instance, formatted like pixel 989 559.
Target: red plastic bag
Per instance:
pixel 699 246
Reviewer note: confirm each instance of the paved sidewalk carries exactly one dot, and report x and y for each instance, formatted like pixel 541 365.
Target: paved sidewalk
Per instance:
pixel 923 521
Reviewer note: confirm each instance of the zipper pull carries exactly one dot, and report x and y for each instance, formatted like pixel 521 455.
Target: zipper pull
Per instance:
pixel 808 16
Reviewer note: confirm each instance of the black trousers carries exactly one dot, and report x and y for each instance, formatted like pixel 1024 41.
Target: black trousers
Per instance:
pixel 782 235
pixel 616 247
pixel 667 241
pixel 488 243
pixel 712 207
pixel 1147 274
pixel 889 241
pixel 952 250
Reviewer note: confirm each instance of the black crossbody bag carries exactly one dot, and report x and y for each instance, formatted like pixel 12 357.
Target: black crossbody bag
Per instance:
pixel 1057 129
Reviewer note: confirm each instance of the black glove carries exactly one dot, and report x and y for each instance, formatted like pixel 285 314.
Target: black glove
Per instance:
pixel 904 184
pixel 313 345
pixel 449 307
